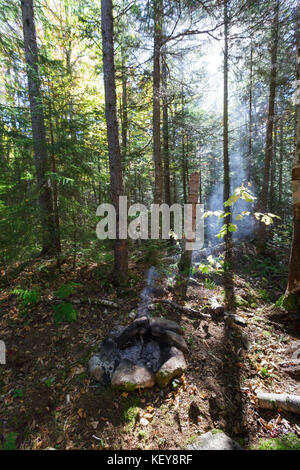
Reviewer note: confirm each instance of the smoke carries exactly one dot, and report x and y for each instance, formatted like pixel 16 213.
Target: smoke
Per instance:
pixel 147 293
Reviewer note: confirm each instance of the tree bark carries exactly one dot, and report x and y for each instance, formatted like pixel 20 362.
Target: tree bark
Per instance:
pixel 228 274
pixel 185 262
pixel 116 181
pixel 250 136
pixel 293 286
pixel 270 125
pixel 166 154
pixel 49 234
pixel 124 112
pixel 157 158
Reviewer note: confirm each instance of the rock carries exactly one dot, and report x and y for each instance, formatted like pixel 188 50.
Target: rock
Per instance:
pixel 132 315
pixel 215 307
pixel 129 376
pixel 103 364
pixel 168 337
pixel 116 332
pixel 138 326
pixel 173 367
pixel 157 324
pixel 236 318
pixel 95 367
pixel 214 440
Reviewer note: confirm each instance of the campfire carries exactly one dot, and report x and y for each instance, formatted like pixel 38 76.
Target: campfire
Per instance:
pixel 149 351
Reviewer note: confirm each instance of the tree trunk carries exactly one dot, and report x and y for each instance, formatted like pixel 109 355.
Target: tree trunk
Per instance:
pixel 249 159
pixel 270 126
pixel 157 158
pixel 294 265
pixel 49 235
pixel 228 275
pixel 185 262
pixel 116 183
pixel 166 155
pixel 124 120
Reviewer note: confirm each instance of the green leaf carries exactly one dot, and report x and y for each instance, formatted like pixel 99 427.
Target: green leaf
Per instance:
pixel 64 312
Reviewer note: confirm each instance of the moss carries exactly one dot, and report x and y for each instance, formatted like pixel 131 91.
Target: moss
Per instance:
pixel 191 440
pixel 216 431
pixel 288 302
pixel 287 442
pixel 240 302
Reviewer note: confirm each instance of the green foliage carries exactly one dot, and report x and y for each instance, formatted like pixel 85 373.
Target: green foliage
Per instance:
pixel 66 290
pixel 264 372
pixel 10 441
pixel 264 295
pixel 29 297
pixel 286 442
pixel 64 312
pixel 209 284
pixel 18 393
pixel 240 193
pixel 288 302
pixel 49 381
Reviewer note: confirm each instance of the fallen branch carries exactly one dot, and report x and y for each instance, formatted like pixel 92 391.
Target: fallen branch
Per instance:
pixel 271 401
pixel 107 303
pixel 181 308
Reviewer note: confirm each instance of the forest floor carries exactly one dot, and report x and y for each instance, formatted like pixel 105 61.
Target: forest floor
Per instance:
pixel 48 399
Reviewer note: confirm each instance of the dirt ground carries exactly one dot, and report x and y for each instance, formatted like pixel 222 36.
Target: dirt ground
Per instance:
pixel 49 400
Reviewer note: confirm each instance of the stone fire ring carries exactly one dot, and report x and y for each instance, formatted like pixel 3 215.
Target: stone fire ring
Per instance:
pixel 148 351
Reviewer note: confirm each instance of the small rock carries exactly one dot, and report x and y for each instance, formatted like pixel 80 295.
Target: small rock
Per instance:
pixel 103 364
pixel 95 367
pixel 129 376
pixel 144 422
pixel 214 440
pixel 236 318
pixel 132 315
pixel 171 368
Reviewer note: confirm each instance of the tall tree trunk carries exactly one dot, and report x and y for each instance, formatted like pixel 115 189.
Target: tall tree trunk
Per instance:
pixel 272 195
pixel 293 286
pixel 49 234
pixel 166 156
pixel 157 158
pixel 185 262
pixel 116 183
pixel 228 275
pixel 280 165
pixel 55 185
pixel 249 159
pixel 270 125
pixel 124 119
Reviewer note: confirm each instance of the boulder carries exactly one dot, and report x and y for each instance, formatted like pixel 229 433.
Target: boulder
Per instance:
pixel 214 440
pixel 103 363
pixel 173 366
pixel 95 367
pixel 129 376
pixel 168 337
pixel 159 324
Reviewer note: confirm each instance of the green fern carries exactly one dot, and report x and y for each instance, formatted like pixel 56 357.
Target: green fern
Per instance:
pixel 64 312
pixel 29 297
pixel 66 290
pixel 10 441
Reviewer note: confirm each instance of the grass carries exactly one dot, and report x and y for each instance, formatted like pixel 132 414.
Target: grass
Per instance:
pixel 287 442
